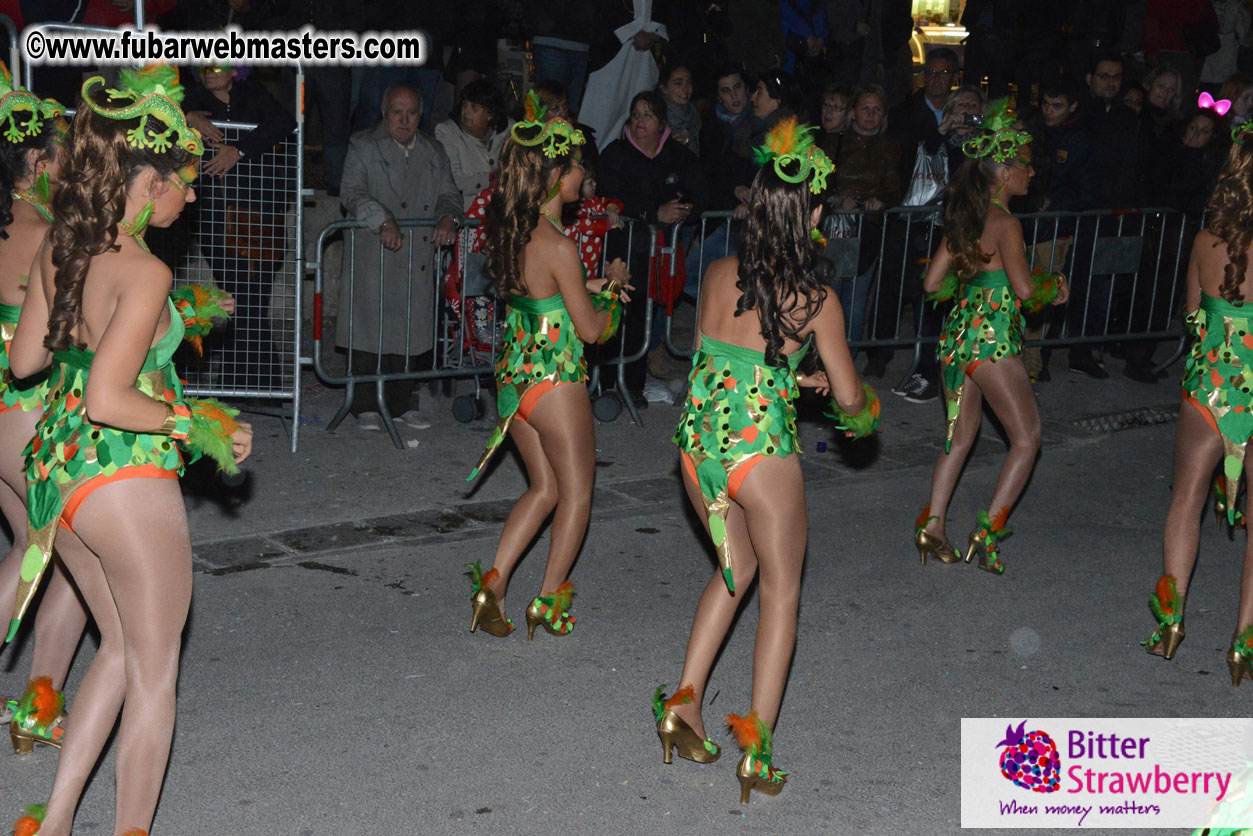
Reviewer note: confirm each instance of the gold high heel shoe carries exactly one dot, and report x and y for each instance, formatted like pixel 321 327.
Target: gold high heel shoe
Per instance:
pixel 552 612
pixel 1166 605
pixel 1238 657
pixel 754 771
pixel 984 539
pixel 36 717
pixel 676 734
pixel 487 612
pixel 930 544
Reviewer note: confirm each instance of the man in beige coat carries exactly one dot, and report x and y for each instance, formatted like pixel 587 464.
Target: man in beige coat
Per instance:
pixel 387 302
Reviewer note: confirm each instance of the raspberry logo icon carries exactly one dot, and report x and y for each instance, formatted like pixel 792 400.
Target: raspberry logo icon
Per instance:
pixel 1030 759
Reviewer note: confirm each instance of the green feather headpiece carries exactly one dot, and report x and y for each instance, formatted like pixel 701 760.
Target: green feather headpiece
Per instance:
pixel 556 135
pixel 791 144
pixel 997 139
pixel 156 94
pixel 1241 132
pixel 14 100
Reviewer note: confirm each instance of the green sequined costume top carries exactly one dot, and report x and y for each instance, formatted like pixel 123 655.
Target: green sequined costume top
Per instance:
pixel 541 347
pixel 737 408
pixel 984 325
pixel 68 450
pixel 12 397
pixel 1218 378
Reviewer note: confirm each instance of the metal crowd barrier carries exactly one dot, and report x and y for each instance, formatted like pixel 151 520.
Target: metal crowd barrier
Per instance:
pixel 1126 270
pixel 460 350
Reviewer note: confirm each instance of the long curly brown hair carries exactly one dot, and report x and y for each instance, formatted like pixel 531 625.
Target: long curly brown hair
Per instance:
pixel 965 213
pixel 782 272
pixel 1231 217
pixel 100 166
pixel 514 211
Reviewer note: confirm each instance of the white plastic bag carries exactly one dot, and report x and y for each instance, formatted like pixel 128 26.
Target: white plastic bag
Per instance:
pixel 929 180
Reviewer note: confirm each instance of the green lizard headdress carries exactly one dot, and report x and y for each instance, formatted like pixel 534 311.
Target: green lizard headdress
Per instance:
pixel 1241 133
pixel 997 138
pixel 790 145
pixel 14 101
pixel 156 94
pixel 556 135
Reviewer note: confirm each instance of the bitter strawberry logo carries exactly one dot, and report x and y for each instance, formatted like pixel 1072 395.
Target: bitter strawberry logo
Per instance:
pixel 1030 759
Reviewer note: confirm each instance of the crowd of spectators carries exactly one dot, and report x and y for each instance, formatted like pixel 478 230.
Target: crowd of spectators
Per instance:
pixel 1131 103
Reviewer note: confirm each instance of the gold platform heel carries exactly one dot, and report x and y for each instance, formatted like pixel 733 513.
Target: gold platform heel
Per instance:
pixel 1238 658
pixel 676 734
pixel 37 717
pixel 1168 607
pixel 754 771
pixel 552 612
pixel 984 539
pixel 487 612
pixel 930 544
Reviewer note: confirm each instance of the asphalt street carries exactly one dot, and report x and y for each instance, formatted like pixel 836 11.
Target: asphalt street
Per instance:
pixel 330 684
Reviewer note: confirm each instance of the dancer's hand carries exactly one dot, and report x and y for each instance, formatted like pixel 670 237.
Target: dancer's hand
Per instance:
pixel 241 442
pixel 227 303
pixel 816 381
pixel 1063 290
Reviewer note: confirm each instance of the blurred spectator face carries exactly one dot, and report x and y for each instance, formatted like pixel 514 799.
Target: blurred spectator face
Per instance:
pixel 1199 133
pixel 217 79
pixel 679 88
pixel 1106 81
pixel 475 120
pixel 403 111
pixel 560 109
pixel 1057 110
pixel 1163 91
pixel 731 94
pixel 645 126
pixel 834 114
pixel 1242 106
pixel 938 79
pixel 1134 99
pixel 763 105
pixel 868 114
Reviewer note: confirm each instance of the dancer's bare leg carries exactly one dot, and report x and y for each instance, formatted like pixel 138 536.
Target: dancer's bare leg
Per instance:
pixel 563 420
pixel 61 616
pixel 1245 616
pixel 773 497
pixel 531 509
pixel 1007 391
pixel 766 527
pixel 948 466
pixel 717 606
pixel 139 592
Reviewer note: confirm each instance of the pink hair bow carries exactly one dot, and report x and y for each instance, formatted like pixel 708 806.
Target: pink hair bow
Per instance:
pixel 1206 102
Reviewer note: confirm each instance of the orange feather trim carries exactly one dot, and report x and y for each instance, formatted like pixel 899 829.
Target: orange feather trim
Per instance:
pixel 136 832
pixel 782 140
pixel 46 701
pixel 923 517
pixel 229 425
pixel 1166 598
pixel 747 730
pixel 490 578
pixel 26 826
pixel 681 697
pixel 1002 516
pixel 562 597
pixel 196 343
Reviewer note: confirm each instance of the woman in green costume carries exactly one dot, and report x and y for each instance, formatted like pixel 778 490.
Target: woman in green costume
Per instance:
pixel 1216 416
pixel 761 311
pixel 982 266
pixel 30 162
pixel 102 468
pixel 541 399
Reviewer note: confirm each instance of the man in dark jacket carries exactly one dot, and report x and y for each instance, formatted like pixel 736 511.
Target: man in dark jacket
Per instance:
pixel 1114 130
pixel 917 119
